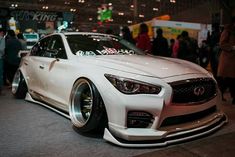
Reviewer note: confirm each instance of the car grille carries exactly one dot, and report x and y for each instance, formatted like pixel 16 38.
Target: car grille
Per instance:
pixel 193 90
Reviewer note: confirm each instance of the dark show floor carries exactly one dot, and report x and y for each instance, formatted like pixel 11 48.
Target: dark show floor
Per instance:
pixel 219 146
pixel 30 130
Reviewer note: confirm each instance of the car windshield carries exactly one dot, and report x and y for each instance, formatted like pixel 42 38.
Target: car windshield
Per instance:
pixel 93 44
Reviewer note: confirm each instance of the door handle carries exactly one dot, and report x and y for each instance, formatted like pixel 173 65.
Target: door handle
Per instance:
pixel 41 66
pixel 25 61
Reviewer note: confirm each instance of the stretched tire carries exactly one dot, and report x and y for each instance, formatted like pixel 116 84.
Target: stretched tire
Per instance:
pixel 87 110
pixel 19 86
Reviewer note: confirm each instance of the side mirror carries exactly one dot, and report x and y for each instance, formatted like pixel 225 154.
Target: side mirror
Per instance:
pixel 23 53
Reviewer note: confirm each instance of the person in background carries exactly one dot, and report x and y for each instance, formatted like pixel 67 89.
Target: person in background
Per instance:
pixel 226 67
pixel 13 46
pixel 214 48
pixel 204 54
pixel 143 40
pixel 22 41
pixel 2 51
pixel 215 52
pixel 188 48
pixel 126 34
pixel 160 44
pixel 176 45
pixel 172 43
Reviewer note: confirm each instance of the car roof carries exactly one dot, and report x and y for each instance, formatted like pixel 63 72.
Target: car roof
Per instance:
pixel 78 33
pixel 84 33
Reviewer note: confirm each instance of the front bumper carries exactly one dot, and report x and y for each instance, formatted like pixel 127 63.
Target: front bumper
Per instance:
pixel 147 137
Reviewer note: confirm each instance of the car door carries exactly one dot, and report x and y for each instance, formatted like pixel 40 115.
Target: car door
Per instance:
pixel 34 65
pixel 55 77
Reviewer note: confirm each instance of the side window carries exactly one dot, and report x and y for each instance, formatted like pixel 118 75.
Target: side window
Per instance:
pixel 56 46
pixel 41 47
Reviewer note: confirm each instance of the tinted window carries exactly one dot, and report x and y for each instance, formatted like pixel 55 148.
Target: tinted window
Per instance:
pixel 56 46
pixel 85 45
pixel 40 48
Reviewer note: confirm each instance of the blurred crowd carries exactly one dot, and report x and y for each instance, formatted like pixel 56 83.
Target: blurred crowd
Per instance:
pixel 10 45
pixel 216 53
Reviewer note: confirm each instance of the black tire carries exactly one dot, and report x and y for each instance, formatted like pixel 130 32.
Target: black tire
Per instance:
pixel 87 110
pixel 19 87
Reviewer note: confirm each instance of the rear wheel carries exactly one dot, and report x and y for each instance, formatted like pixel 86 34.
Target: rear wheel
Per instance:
pixel 87 110
pixel 19 87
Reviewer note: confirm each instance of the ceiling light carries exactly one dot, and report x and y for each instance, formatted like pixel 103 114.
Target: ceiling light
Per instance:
pixel 72 10
pixel 81 1
pixel 121 13
pixel 155 9
pixel 45 7
pixel 14 5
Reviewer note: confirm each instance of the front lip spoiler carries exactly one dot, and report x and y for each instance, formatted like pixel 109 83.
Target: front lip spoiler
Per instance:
pixel 168 139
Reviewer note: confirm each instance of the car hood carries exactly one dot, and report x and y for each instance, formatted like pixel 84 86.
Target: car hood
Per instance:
pixel 147 65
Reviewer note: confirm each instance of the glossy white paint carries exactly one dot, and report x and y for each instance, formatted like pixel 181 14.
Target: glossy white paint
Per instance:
pixel 52 81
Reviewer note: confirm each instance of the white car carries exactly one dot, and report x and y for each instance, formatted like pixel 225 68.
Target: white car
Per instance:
pixel 101 81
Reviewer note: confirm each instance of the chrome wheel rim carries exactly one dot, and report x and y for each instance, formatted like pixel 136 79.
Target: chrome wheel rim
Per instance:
pixel 16 82
pixel 82 101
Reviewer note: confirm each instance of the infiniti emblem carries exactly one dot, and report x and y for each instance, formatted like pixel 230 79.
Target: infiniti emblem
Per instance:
pixel 198 91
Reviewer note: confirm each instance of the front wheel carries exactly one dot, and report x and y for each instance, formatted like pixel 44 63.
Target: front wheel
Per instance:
pixel 87 110
pixel 19 87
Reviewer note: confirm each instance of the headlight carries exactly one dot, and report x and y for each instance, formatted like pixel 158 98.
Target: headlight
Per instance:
pixel 129 86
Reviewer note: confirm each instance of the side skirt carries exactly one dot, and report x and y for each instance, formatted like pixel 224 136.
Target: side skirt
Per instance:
pixel 29 98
